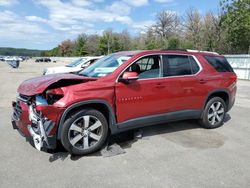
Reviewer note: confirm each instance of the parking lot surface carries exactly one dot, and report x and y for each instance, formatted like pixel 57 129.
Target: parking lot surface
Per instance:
pixel 177 154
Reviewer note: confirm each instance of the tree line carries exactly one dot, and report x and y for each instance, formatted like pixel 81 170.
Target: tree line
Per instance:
pixel 227 32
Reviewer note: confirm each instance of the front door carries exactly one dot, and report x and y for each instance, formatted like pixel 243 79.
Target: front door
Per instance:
pixel 141 97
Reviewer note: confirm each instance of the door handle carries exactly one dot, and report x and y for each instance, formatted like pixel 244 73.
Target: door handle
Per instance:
pixel 203 81
pixel 160 85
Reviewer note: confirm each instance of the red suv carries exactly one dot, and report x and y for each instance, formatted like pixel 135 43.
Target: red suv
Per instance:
pixel 123 91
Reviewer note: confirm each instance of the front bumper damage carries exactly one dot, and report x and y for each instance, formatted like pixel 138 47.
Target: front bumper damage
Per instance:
pixel 39 128
pixel 33 125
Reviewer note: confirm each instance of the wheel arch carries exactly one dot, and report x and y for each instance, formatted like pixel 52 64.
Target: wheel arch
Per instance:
pixel 222 93
pixel 100 105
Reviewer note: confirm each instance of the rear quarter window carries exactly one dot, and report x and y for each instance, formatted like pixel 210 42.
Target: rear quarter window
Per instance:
pixel 219 63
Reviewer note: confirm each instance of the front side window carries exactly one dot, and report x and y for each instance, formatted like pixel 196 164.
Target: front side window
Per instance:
pixel 179 65
pixel 147 67
pixel 104 66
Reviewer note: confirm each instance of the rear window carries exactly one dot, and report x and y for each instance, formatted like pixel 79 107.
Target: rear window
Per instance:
pixel 219 63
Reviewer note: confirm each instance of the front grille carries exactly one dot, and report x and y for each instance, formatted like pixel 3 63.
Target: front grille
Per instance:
pixel 17 111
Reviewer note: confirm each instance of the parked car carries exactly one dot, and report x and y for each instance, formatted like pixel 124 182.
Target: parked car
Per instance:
pixel 13 63
pixel 12 58
pixel 122 91
pixel 75 66
pixel 43 60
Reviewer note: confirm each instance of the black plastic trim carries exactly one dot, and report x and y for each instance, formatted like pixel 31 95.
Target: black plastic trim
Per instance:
pixel 218 91
pixel 159 118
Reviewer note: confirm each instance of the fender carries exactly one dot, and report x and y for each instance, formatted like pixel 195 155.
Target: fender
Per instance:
pixel 112 119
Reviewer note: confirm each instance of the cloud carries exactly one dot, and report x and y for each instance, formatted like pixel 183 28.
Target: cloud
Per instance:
pixel 35 19
pixel 8 2
pixel 142 26
pixel 12 24
pixel 81 3
pixel 66 19
pixel 62 14
pixel 17 30
pixel 119 7
pixel 136 3
pixel 164 1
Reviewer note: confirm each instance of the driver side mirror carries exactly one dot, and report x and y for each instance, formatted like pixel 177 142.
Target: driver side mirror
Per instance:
pixel 128 76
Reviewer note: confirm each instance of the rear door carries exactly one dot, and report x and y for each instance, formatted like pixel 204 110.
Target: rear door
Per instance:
pixel 183 69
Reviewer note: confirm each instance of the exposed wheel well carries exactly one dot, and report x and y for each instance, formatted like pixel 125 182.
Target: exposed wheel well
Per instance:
pixel 222 94
pixel 100 107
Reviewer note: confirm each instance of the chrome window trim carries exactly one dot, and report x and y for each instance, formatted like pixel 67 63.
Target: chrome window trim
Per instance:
pixel 161 54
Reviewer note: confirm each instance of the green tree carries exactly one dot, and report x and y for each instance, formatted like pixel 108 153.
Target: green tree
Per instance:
pixel 80 49
pixel 173 43
pixel 193 27
pixel 66 48
pixel 151 41
pixel 116 44
pixel 236 24
pixel 105 42
pixel 54 52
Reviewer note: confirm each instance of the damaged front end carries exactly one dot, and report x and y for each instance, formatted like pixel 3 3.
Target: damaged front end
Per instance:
pixel 39 129
pixel 40 105
pixel 36 119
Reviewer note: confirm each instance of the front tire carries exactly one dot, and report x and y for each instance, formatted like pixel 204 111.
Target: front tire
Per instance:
pixel 214 113
pixel 84 132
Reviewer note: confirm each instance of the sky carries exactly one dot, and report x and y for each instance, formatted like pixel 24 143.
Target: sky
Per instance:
pixel 43 24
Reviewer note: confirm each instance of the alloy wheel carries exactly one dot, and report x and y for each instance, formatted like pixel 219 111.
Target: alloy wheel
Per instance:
pixel 85 132
pixel 216 113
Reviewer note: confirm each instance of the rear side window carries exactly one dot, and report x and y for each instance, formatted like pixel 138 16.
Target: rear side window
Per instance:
pixel 219 63
pixel 179 65
pixel 194 66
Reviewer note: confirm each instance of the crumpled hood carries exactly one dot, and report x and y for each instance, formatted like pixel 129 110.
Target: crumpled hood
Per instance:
pixel 40 84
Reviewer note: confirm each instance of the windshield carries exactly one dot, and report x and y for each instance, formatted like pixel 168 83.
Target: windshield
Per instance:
pixel 104 66
pixel 76 62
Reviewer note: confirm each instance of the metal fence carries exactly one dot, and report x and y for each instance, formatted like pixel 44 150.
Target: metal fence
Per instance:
pixel 241 65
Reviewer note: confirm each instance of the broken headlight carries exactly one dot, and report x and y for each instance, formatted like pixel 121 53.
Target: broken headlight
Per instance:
pixel 54 95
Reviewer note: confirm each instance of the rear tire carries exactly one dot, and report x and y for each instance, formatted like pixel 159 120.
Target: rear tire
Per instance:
pixel 214 113
pixel 84 132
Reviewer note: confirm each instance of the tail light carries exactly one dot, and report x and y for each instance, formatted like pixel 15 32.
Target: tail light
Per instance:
pixel 233 78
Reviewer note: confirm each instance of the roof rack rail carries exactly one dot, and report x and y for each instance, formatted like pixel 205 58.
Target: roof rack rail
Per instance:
pixel 189 50
pixel 184 50
pixel 215 53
